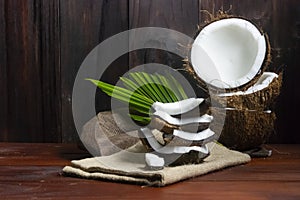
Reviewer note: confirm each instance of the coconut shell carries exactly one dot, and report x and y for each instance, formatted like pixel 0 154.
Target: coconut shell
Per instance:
pixel 260 100
pixel 244 129
pixel 190 72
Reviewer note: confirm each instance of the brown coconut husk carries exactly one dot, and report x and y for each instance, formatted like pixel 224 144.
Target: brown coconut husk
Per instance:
pixel 244 129
pixel 260 100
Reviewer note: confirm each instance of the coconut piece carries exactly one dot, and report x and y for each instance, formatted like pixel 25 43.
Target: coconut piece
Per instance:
pixel 154 161
pixel 158 135
pixel 178 121
pixel 172 140
pixel 165 127
pixel 263 82
pixel 194 136
pixel 244 129
pixel 178 107
pixel 262 95
pixel 197 108
pixel 182 138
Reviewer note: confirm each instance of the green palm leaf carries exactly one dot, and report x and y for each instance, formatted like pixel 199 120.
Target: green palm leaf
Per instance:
pixel 141 90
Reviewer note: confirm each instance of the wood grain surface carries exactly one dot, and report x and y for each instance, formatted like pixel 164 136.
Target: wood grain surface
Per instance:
pixel 33 171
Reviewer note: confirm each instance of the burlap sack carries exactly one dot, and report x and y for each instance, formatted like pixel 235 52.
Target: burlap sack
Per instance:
pixel 129 167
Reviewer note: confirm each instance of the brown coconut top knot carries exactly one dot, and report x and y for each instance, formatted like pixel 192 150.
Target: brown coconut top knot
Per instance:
pixel 228 53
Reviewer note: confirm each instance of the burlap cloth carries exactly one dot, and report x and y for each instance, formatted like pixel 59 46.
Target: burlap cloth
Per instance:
pixel 129 165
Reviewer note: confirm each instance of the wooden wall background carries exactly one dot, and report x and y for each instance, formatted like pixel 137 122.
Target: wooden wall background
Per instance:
pixel 43 43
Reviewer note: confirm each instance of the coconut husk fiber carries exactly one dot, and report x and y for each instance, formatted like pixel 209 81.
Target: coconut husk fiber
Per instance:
pixel 247 124
pixel 243 129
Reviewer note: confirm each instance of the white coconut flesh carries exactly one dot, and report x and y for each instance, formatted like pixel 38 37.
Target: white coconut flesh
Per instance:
pixel 228 53
pixel 179 107
pixel 184 121
pixel 202 135
pixel 263 82
pixel 154 160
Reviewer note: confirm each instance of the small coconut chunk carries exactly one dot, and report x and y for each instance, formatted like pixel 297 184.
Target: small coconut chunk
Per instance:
pixel 183 121
pixel 154 161
pixel 178 107
pixel 194 136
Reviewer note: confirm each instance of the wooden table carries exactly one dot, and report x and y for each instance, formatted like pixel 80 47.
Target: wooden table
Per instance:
pixel 34 171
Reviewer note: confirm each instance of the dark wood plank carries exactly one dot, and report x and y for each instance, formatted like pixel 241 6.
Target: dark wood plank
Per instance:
pixel 111 25
pixel 3 75
pixel 23 64
pixel 50 75
pixel 80 30
pixel 276 177
pixel 84 24
pixel 29 71
pixel 177 15
pixel 285 29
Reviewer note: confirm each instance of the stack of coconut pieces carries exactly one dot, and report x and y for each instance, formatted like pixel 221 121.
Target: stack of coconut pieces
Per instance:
pixel 230 57
pixel 178 133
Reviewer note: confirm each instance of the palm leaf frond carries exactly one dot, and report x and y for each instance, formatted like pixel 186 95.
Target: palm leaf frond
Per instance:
pixel 141 90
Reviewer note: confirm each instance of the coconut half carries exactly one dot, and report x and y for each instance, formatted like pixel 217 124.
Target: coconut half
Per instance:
pixel 228 53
